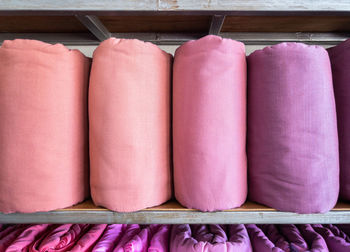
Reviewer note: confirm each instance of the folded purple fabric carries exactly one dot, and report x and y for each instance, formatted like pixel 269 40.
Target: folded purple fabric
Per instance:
pixel 212 238
pixel 110 237
pixel 89 238
pixel 160 240
pixel 259 241
pixel 314 240
pixel 340 61
pixel 292 129
pixel 335 241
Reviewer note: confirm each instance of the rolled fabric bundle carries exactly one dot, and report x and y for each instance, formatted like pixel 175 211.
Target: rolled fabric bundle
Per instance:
pixel 28 236
pixel 313 239
pixel 129 113
pixel 292 129
pixel 334 242
pixel 129 232
pixel 260 242
pixel 160 239
pixel 110 237
pixel 340 61
pixel 272 232
pixel 293 236
pixel 209 124
pixel 61 238
pixel 209 239
pixel 88 240
pixel 9 235
pixel 43 110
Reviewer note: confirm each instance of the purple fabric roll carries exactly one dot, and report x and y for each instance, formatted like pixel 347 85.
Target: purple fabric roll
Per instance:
pixel 340 61
pixel 292 129
pixel 212 238
pixel 275 236
pixel 294 237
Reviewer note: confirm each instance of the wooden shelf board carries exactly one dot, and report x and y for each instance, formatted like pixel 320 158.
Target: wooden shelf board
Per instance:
pixel 173 213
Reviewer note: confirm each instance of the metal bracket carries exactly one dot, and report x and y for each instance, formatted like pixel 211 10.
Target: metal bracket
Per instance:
pixel 216 23
pixel 95 26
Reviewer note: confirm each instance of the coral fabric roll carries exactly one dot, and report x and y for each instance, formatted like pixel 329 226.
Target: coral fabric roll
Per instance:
pixel 209 124
pixel 292 129
pixel 340 61
pixel 43 129
pixel 212 238
pixel 129 113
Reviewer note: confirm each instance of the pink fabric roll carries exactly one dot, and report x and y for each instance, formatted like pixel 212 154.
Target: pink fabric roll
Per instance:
pixel 129 113
pixel 209 120
pixel 43 129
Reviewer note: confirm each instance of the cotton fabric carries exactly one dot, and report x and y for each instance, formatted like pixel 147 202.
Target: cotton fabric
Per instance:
pixel 209 238
pixel 129 113
pixel 340 61
pixel 209 124
pixel 292 129
pixel 43 129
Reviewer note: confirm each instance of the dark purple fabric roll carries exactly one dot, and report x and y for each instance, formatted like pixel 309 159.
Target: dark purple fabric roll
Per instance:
pixel 336 242
pixel 293 159
pixel 340 61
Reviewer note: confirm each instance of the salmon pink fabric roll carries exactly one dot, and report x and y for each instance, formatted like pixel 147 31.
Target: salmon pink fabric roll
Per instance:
pixel 209 120
pixel 43 129
pixel 129 113
pixel 292 129
pixel 340 61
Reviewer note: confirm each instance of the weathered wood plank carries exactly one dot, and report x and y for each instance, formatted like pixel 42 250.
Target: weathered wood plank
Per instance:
pixel 173 213
pixel 177 5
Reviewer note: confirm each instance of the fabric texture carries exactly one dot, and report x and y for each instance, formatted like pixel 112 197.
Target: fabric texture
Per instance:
pixel 129 113
pixel 340 61
pixel 209 238
pixel 292 129
pixel 43 129
pixel 209 124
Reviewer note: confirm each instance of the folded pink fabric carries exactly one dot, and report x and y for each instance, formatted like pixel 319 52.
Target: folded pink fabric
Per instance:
pixel 209 124
pixel 129 113
pixel 110 238
pixel 89 238
pixel 292 129
pixel 212 238
pixel 61 238
pixel 26 238
pixel 43 110
pixel 340 61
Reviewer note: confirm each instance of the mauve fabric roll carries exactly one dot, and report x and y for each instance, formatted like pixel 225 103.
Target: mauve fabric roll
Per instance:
pixel 129 114
pixel 340 61
pixel 209 124
pixel 292 129
pixel 43 129
pixel 212 238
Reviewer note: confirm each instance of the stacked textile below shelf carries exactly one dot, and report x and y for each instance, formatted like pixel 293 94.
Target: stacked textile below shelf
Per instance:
pixel 175 238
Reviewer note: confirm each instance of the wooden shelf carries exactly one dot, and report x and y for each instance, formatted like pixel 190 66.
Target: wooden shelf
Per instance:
pixel 173 213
